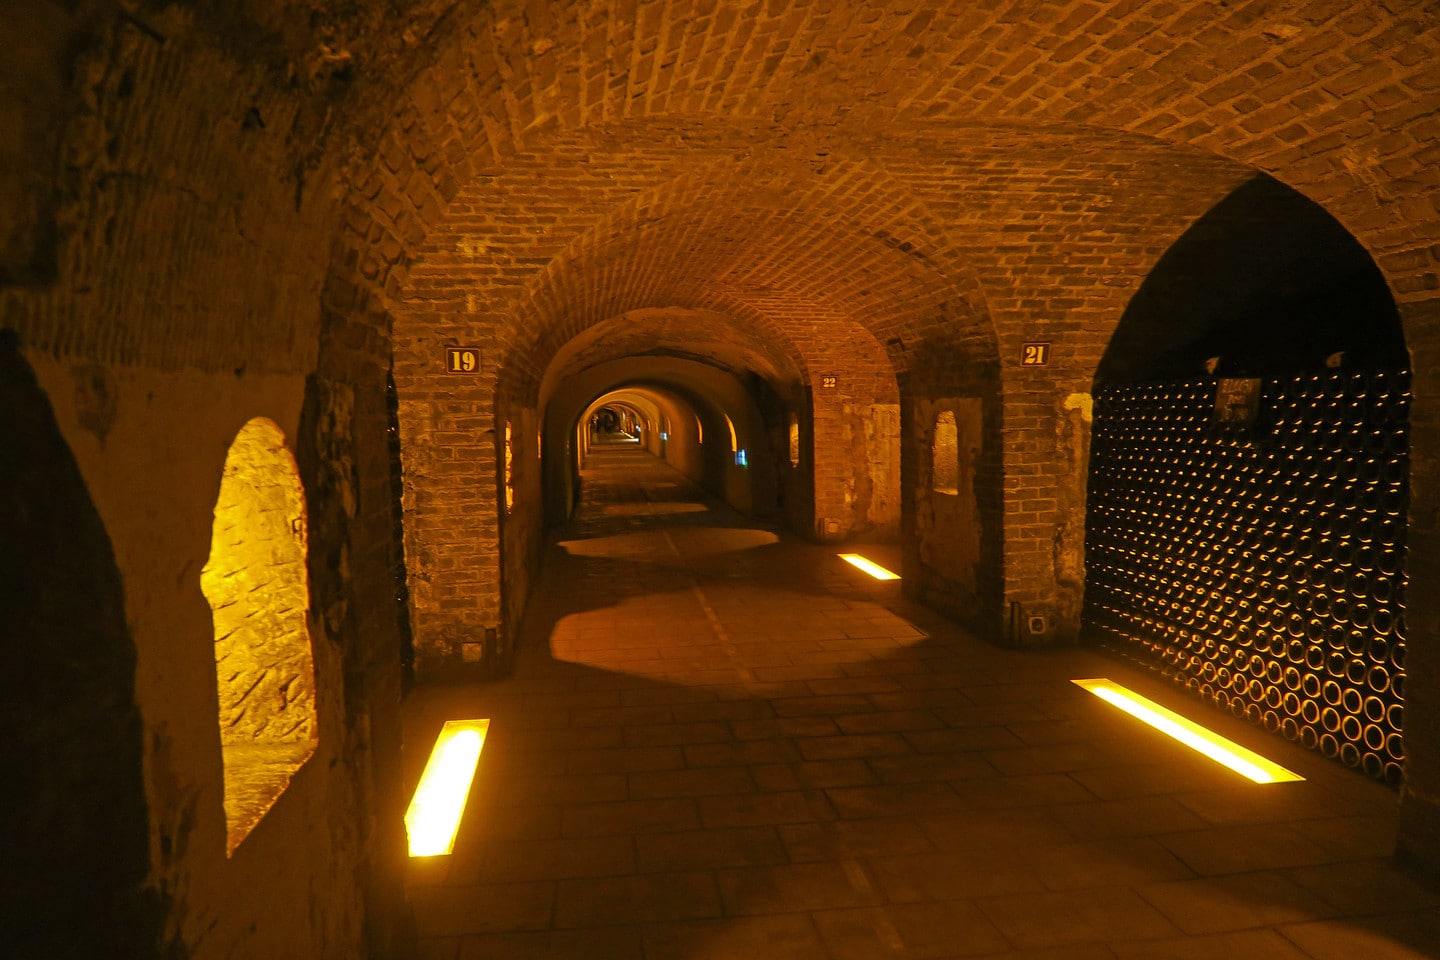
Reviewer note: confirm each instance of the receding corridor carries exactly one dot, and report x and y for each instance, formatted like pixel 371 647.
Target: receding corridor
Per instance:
pixel 720 742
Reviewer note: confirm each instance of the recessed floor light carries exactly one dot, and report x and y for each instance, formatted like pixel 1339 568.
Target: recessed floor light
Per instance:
pixel 434 814
pixel 869 566
pixel 1247 763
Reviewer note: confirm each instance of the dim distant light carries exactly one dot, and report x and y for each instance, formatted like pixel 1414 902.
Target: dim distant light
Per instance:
pixel 439 802
pixel 1244 762
pixel 869 566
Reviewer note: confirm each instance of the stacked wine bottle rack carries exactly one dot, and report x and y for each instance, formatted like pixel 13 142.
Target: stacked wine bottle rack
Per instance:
pixel 1261 564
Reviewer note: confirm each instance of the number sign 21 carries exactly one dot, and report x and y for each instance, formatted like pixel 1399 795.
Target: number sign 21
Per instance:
pixel 462 359
pixel 1034 354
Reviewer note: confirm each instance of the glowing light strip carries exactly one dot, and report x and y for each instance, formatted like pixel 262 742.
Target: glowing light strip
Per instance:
pixel 870 567
pixel 434 814
pixel 1244 762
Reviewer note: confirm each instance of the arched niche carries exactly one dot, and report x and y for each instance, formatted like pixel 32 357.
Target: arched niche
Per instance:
pixel 1248 480
pixel 258 590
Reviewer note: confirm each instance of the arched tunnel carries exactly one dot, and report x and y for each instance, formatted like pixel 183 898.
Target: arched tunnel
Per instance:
pixel 374 372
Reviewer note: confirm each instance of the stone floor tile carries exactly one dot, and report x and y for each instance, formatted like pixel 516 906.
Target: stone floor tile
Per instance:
pixel 704 781
pixel 916 768
pixel 813 774
pixel 1074 951
pixel 784 937
pixel 676 734
pixel 642 898
pixel 1365 836
pixel 889 800
pixel 927 698
pixel 831 686
pixel 736 710
pixel 1236 849
pixel 1240 945
pixel 1129 817
pixel 742 752
pixel 987 715
pixel 1234 902
pixel 629 817
pixel 789 888
pixel 709 849
pixel 1404 936
pixel 615 943
pixel 625 760
pixel 1038 789
pixel 510 860
pixel 795 806
pixel 1102 916
pixel 981 829
pixel 1118 861
pixel 784 727
pixel 864 933
pixel 945 929
pixel 845 839
pixel 888 721
pixel 857 745
pixel 1242 803
pixel 483 908
pixel 919 877
pixel 565 788
pixel 1118 780
pixel 1366 886
pixel 485 818
pixel 1054 758
pixel 829 706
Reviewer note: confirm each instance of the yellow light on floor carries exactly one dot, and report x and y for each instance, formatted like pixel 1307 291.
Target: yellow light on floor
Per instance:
pixel 1244 762
pixel 439 801
pixel 870 567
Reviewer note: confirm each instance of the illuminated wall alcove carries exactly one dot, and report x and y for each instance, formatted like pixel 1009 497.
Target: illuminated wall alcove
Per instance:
pixel 258 591
pixel 945 454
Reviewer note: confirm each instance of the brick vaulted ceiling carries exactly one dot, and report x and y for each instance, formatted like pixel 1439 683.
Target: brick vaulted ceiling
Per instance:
pixel 845 178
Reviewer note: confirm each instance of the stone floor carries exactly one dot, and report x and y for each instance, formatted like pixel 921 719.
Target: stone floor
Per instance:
pixel 723 743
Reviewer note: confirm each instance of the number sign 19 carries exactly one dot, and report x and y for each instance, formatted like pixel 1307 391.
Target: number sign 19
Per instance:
pixel 462 359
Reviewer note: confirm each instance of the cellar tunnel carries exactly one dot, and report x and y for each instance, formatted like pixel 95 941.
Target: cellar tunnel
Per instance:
pixel 1113 330
pixel 698 418
pixel 1249 478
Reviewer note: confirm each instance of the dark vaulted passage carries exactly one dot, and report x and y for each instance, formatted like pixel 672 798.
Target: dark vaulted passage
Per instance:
pixel 530 367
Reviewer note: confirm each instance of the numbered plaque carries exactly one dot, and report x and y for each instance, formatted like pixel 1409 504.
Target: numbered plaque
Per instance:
pixel 462 359
pixel 828 383
pixel 1035 354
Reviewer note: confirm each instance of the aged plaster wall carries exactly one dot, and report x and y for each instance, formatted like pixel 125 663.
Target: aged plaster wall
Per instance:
pixel 168 222
pixel 155 491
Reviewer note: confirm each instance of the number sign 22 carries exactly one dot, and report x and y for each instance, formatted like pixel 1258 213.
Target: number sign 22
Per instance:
pixel 462 359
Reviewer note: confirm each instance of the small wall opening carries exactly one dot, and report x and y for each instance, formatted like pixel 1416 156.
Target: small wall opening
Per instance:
pixel 258 590
pixel 509 468
pixel 794 439
pixel 945 454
